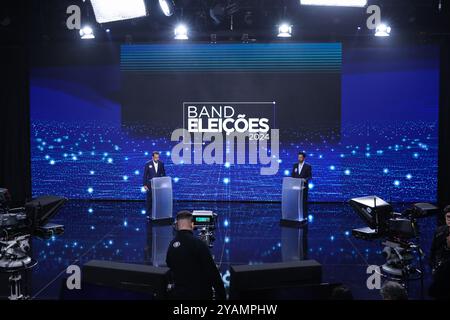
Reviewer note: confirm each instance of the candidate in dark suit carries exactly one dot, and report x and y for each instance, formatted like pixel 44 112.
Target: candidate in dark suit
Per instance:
pixel 153 169
pixel 303 170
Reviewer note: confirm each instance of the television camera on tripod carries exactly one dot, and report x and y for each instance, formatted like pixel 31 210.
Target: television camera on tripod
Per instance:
pixel 205 223
pixel 17 227
pixel 399 232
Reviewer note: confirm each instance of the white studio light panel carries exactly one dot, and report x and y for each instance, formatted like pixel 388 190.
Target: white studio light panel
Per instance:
pixel 337 3
pixel 117 10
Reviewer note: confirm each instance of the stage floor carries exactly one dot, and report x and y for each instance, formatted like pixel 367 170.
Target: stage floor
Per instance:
pixel 248 233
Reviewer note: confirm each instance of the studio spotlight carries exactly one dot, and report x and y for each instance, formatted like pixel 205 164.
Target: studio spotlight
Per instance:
pixel 181 32
pixel 116 10
pixel 167 7
pixel 87 33
pixel 284 30
pixel 336 3
pixel 382 30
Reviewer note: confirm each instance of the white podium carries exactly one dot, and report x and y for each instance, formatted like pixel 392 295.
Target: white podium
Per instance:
pixel 292 200
pixel 162 201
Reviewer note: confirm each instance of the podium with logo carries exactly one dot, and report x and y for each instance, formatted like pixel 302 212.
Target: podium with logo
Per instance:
pixel 162 198
pixel 292 200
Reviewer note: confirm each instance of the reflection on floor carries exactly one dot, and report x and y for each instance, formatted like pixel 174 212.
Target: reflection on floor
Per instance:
pixel 248 233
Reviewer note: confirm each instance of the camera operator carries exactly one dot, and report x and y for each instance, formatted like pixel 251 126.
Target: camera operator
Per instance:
pixel 440 248
pixel 191 264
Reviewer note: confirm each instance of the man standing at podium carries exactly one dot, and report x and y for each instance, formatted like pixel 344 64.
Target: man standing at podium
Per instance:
pixel 303 170
pixel 153 169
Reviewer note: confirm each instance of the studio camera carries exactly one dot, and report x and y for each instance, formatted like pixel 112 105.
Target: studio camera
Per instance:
pixel 205 223
pixel 399 232
pixel 17 227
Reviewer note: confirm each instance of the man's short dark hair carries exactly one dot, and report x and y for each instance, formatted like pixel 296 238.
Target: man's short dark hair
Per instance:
pixel 302 154
pixel 184 215
pixel 341 293
pixel 155 152
pixel 446 209
pixel 393 291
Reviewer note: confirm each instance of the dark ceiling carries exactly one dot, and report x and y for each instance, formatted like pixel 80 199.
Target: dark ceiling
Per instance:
pixel 45 20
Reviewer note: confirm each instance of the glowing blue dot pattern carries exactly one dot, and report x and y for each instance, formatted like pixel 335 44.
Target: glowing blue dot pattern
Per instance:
pixel 102 162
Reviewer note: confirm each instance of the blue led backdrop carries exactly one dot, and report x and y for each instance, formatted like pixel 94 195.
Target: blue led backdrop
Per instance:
pixel 367 118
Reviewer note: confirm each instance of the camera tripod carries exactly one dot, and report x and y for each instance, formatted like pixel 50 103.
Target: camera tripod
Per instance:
pixel 400 264
pixel 15 261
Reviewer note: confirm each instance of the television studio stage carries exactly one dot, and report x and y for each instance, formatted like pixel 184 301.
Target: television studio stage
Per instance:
pixel 313 156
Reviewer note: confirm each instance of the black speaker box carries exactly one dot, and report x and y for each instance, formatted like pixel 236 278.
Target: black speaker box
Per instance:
pixel 121 279
pixel 245 278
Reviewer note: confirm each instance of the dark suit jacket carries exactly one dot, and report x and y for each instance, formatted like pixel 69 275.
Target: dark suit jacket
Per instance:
pixel 439 252
pixel 305 174
pixel 150 173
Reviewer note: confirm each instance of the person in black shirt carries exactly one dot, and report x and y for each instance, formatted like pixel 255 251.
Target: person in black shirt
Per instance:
pixel 440 248
pixel 191 264
pixel 440 286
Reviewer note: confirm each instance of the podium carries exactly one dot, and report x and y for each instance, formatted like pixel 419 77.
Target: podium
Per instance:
pixel 292 201
pixel 161 198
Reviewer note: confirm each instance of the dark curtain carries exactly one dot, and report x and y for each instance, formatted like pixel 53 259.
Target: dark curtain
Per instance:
pixel 14 108
pixel 14 101
pixel 444 128
pixel 14 123
pixel 14 131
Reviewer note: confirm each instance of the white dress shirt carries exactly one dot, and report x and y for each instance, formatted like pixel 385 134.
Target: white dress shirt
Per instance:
pixel 300 167
pixel 156 166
